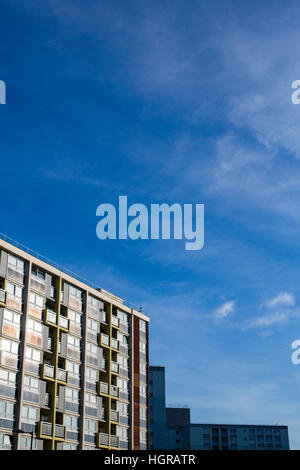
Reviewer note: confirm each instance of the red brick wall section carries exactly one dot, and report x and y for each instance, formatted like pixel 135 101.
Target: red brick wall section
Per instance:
pixel 148 394
pixel 136 384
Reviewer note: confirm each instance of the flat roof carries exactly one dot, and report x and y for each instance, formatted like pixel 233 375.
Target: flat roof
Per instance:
pixel 28 254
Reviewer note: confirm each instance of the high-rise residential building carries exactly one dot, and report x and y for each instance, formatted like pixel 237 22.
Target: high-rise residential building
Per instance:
pixel 73 360
pixel 180 434
pixel 157 407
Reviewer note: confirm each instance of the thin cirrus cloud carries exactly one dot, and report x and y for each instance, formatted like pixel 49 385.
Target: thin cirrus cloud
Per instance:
pixel 283 299
pixel 225 309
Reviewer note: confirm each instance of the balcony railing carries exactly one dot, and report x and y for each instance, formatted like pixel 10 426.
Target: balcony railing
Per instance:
pixel 115 321
pixel 114 343
pixel 51 317
pixel 114 367
pixel 114 415
pixel 60 431
pixel 2 296
pixel 104 387
pixel 46 428
pixel 62 375
pixel 48 371
pixel 103 439
pixel 104 339
pixel 114 391
pixel 64 322
pixel 114 441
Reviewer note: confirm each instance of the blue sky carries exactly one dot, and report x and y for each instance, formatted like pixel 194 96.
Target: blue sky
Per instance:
pixel 168 101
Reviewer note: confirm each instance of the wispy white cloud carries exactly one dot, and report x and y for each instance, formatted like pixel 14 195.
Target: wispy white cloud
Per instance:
pixel 285 298
pixel 225 309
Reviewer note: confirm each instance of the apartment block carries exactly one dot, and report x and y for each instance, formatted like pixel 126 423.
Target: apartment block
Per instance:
pixel 73 360
pixel 171 427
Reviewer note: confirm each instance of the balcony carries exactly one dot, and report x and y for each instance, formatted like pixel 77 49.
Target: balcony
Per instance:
pixel 103 439
pixel 115 344
pixel 114 416
pixel 44 430
pixel 63 322
pixel 104 387
pixel 114 441
pixel 115 321
pixel 62 375
pixel 48 371
pixel 114 391
pixel 60 431
pixel 114 367
pixel 51 317
pixel 104 340
pixel 2 296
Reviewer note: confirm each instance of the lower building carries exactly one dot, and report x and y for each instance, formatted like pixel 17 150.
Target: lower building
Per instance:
pixel 157 405
pixel 181 434
pixel 73 360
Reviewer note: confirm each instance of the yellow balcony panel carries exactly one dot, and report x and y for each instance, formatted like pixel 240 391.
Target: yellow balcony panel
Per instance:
pixel 44 430
pixel 114 416
pixel 103 388
pixel 50 317
pixel 114 441
pixel 62 375
pixel 64 323
pixel 104 340
pixel 48 372
pixel 60 432
pixel 115 344
pixel 114 368
pixel 3 295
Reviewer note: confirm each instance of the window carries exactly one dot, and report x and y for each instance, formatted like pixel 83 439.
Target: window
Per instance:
pixel 71 423
pixel 143 347
pixel 91 400
pixel 72 395
pixel 69 446
pixel 37 274
pixel 73 342
pixel 143 326
pixel 9 346
pixel 11 318
pixel 123 361
pixel 36 301
pixel 143 368
pixel 6 409
pixel 74 317
pixel 96 303
pixel 122 408
pixel 92 349
pixel 25 443
pixel 143 437
pixel 34 327
pixel 33 355
pixel 93 325
pixel 123 339
pixel 31 384
pixel 7 377
pixel 92 375
pixel 14 290
pixel 90 426
pixel 15 263
pixel 5 441
pixel 143 412
pixel 73 368
pixel 143 390
pixel 122 384
pixel 75 293
pixel 30 414
pixel 122 433
pixel 123 317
